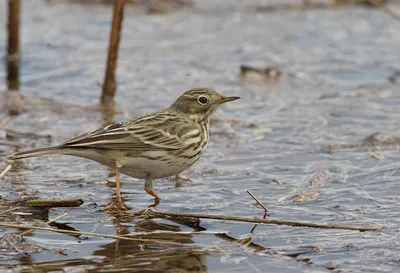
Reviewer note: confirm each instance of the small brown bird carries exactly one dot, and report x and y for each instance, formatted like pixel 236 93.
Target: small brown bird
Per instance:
pixel 152 146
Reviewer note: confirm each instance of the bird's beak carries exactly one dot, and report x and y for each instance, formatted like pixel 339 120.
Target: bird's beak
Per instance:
pixel 226 99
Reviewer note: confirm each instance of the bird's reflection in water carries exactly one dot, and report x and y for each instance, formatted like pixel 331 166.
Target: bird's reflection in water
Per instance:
pixel 135 259
pixel 136 256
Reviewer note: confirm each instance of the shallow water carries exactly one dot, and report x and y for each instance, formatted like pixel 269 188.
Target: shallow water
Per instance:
pixel 334 90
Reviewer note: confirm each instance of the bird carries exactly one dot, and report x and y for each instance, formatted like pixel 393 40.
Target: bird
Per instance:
pixel 151 146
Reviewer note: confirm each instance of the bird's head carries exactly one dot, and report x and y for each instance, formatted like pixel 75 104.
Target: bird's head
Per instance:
pixel 199 103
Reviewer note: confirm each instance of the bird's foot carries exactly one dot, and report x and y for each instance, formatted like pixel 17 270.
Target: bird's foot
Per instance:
pixel 147 212
pixel 156 203
pixel 150 209
pixel 117 205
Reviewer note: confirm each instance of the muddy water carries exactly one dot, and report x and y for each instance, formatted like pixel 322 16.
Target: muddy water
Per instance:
pixel 334 90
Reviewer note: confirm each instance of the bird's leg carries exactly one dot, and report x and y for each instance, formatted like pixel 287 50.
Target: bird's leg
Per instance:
pixel 155 204
pixel 117 184
pixel 148 187
pixel 117 204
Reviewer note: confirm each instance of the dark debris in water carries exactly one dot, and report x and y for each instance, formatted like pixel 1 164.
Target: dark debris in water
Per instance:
pixel 268 74
pixel 312 189
pixel 15 245
pixel 375 140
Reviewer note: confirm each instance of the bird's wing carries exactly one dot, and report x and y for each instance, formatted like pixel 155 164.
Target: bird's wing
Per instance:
pixel 157 131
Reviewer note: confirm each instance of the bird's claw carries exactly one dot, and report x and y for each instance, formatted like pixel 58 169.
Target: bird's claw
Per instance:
pixel 147 212
pixel 117 205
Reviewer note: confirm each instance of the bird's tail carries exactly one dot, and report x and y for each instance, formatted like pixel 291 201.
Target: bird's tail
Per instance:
pixel 37 152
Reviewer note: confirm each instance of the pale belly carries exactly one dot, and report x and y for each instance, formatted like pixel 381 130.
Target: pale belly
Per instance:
pixel 160 166
pixel 145 168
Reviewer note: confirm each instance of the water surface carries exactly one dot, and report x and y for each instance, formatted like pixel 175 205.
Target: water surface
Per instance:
pixel 334 90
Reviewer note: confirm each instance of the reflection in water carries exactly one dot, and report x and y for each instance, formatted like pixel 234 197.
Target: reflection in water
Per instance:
pixel 173 260
pixel 132 256
pixel 13 102
pixel 137 256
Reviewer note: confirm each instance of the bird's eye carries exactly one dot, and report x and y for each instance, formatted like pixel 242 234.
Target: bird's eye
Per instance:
pixel 202 100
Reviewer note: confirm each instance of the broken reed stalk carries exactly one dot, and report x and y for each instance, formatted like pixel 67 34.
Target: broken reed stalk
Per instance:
pixel 54 203
pixel 158 233
pixel 19 133
pixel 48 222
pixel 13 54
pixel 266 212
pixel 9 210
pixel 3 173
pixel 92 234
pixel 10 242
pixel 261 221
pixel 109 86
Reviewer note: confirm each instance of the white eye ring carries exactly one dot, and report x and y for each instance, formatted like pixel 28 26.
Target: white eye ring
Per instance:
pixel 202 100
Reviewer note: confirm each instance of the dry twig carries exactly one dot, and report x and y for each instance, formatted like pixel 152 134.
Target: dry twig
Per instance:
pixel 92 234
pixel 157 233
pixel 109 86
pixel 3 173
pixel 18 133
pixel 9 210
pixel 10 242
pixel 266 212
pixel 259 221
pixel 54 203
pixel 48 222
pixel 13 54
